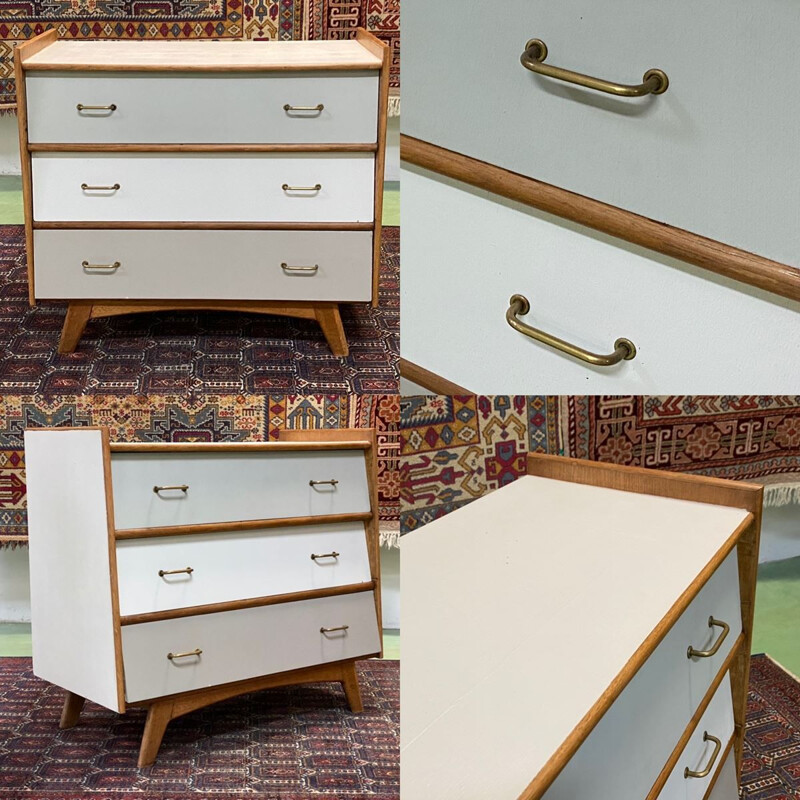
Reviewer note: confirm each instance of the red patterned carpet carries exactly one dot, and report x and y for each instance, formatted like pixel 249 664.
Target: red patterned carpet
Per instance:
pixel 201 352
pixel 286 744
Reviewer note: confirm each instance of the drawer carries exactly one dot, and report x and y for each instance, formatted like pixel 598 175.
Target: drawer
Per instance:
pixel 726 786
pixel 199 187
pixel 237 645
pixel 699 752
pixel 693 332
pixel 232 486
pixel 244 108
pixel 236 566
pixel 666 691
pixel 204 264
pixel 676 157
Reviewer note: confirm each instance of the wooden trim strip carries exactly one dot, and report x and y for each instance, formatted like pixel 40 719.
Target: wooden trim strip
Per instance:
pixel 429 380
pixel 202 148
pixel 203 226
pixel 238 525
pixel 720 258
pixel 236 447
pixel 339 66
pixel 722 760
pixel 255 602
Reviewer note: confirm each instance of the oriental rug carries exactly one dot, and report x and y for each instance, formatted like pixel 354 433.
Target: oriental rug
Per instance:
pixel 171 352
pixel 222 418
pixel 279 20
pixel 288 744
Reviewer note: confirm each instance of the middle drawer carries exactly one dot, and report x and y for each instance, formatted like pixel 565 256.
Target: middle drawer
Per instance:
pixel 199 187
pixel 237 566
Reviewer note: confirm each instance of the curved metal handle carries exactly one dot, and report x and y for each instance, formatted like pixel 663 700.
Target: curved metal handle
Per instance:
pixel 712 623
pixel 315 188
pixel 183 488
pixel 87 188
pixel 173 656
pixel 315 556
pixel 707 737
pixel 163 572
pixel 288 268
pixel 331 630
pixel 82 107
pixel 101 267
pixel 624 349
pixel 655 81
pixel 318 107
pixel 331 482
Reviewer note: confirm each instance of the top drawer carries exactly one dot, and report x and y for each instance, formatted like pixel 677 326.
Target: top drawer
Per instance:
pixel 170 108
pixel 691 157
pixel 234 486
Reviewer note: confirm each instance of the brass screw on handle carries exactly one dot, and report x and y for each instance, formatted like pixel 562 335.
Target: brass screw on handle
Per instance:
pixel 315 556
pixel 87 188
pixel 318 107
pixel 104 267
pixel 331 630
pixel 315 188
pixel 173 656
pixel 82 107
pixel 163 572
pixel 183 488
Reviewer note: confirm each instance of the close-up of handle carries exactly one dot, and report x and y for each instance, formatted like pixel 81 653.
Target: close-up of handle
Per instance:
pixel 332 630
pixel 184 571
pixel 318 107
pixel 331 482
pixel 712 623
pixel 182 488
pixel 87 188
pixel 309 269
pixel 315 188
pixel 173 656
pixel 101 267
pixel 82 107
pixel 707 737
pixel 315 556
pixel 624 349
pixel 655 81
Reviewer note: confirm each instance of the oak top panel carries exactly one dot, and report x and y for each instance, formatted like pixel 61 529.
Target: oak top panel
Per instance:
pixel 521 609
pixel 204 55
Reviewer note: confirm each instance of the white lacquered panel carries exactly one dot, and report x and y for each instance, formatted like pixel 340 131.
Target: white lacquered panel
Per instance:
pixel 236 566
pixel 690 157
pixel 248 108
pixel 231 486
pixel 204 264
pixel 194 187
pixel 693 331
pixel 569 575
pixel 245 644
pixel 727 784
pixel 654 709
pixel 696 756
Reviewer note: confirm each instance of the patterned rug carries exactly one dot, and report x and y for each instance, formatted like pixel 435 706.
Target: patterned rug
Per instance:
pixel 455 449
pixel 223 418
pixel 168 353
pixel 289 744
pixel 196 19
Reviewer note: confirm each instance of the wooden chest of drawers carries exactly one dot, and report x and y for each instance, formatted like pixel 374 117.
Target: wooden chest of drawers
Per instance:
pixel 589 638
pixel 203 175
pixel 173 576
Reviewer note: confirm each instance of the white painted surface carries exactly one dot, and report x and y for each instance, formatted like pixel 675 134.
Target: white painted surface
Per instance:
pixel 391 170
pixel 248 107
pixel 581 572
pixel 202 187
pixel 718 721
pixel 780 533
pixel 727 785
pixel 245 644
pixel 390 588
pixel 231 486
pixel 216 265
pixel 236 566
pixel 465 253
pixel 72 630
pixel 694 157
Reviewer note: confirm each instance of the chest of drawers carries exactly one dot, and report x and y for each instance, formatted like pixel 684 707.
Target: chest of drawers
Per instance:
pixel 590 637
pixel 203 175
pixel 174 576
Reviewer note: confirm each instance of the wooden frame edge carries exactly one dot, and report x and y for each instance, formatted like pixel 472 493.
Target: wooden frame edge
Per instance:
pixel 120 147
pixel 429 380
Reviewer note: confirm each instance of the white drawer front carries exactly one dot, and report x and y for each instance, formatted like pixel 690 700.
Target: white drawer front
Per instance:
pixel 692 331
pixel 245 644
pixel 718 722
pixel 245 108
pixel 678 157
pixel 204 265
pixel 194 187
pixel 620 758
pixel 727 784
pixel 226 487
pixel 236 566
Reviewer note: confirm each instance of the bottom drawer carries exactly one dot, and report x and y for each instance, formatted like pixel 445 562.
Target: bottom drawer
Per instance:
pixel 726 785
pixel 246 643
pixel 203 265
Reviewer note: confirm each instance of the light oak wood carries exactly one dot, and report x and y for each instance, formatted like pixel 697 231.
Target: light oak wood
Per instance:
pixel 723 259
pixel 722 759
pixel 210 226
pixel 73 705
pixel 350 441
pixel 429 380
pixel 159 716
pixel 203 148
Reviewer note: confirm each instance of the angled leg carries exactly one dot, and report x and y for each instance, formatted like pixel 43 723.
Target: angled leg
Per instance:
pixel 330 321
pixel 73 705
pixel 351 690
pixel 158 716
pixel 78 315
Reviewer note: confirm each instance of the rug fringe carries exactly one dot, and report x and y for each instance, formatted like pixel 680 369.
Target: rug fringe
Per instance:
pixel 9 543
pixel 394 105
pixel 782 494
pixel 389 534
pixel 10 109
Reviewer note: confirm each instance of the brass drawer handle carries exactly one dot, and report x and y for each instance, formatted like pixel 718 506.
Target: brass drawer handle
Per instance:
pixel 333 630
pixel 318 107
pixel 183 488
pixel 624 349
pixel 315 556
pixel 712 623
pixel 331 482
pixel 82 107
pixel 163 572
pixel 655 81
pixel 288 268
pixel 315 188
pixel 173 656
pixel 707 737
pixel 87 188
pixel 101 267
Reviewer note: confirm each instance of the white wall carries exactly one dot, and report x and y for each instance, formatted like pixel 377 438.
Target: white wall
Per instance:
pixel 780 533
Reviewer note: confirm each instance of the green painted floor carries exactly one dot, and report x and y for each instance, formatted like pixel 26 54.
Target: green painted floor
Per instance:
pixel 776 629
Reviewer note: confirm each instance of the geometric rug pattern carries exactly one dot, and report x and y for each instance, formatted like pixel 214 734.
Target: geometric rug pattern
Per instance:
pixel 211 418
pixel 194 351
pixel 289 743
